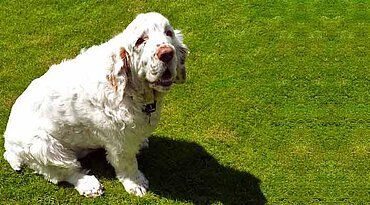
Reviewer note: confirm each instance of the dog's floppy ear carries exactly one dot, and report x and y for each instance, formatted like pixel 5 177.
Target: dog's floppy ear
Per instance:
pixel 126 62
pixel 119 70
pixel 181 52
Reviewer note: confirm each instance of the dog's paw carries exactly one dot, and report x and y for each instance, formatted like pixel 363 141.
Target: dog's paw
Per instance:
pixel 137 185
pixel 89 186
pixel 13 160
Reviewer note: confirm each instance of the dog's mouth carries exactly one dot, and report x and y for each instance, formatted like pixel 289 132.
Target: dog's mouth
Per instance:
pixel 164 83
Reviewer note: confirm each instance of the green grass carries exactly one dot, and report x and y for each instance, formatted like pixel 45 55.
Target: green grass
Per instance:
pixel 276 108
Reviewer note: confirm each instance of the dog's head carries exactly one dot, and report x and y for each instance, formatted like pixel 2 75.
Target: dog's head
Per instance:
pixel 156 51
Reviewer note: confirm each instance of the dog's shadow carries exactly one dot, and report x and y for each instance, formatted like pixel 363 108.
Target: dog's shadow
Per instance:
pixel 184 171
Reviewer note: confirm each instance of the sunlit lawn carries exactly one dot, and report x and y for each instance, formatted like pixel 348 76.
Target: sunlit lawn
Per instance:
pixel 276 108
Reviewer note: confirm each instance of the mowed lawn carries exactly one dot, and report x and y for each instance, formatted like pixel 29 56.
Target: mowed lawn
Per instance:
pixel 276 109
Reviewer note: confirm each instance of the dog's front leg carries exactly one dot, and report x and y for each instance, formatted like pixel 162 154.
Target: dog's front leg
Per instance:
pixel 125 165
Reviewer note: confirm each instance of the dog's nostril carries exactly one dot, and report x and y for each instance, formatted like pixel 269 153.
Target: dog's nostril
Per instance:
pixel 165 53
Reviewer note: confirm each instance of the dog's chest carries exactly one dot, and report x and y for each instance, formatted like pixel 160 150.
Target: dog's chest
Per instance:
pixel 145 122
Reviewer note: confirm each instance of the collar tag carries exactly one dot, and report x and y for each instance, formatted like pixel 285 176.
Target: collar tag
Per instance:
pixel 150 108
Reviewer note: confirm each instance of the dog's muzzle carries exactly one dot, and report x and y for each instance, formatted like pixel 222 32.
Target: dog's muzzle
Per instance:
pixel 165 54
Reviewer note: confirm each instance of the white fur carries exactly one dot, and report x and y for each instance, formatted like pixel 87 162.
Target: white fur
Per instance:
pixel 96 100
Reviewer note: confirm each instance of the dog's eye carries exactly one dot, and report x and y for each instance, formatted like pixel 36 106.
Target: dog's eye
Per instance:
pixel 139 41
pixel 169 33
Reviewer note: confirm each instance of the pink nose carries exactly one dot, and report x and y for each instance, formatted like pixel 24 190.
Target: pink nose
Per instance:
pixel 165 53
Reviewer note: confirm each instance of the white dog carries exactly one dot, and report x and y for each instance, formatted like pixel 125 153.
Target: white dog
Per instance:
pixel 110 96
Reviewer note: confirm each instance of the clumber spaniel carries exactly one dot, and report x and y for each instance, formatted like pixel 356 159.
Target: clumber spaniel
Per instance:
pixel 109 96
